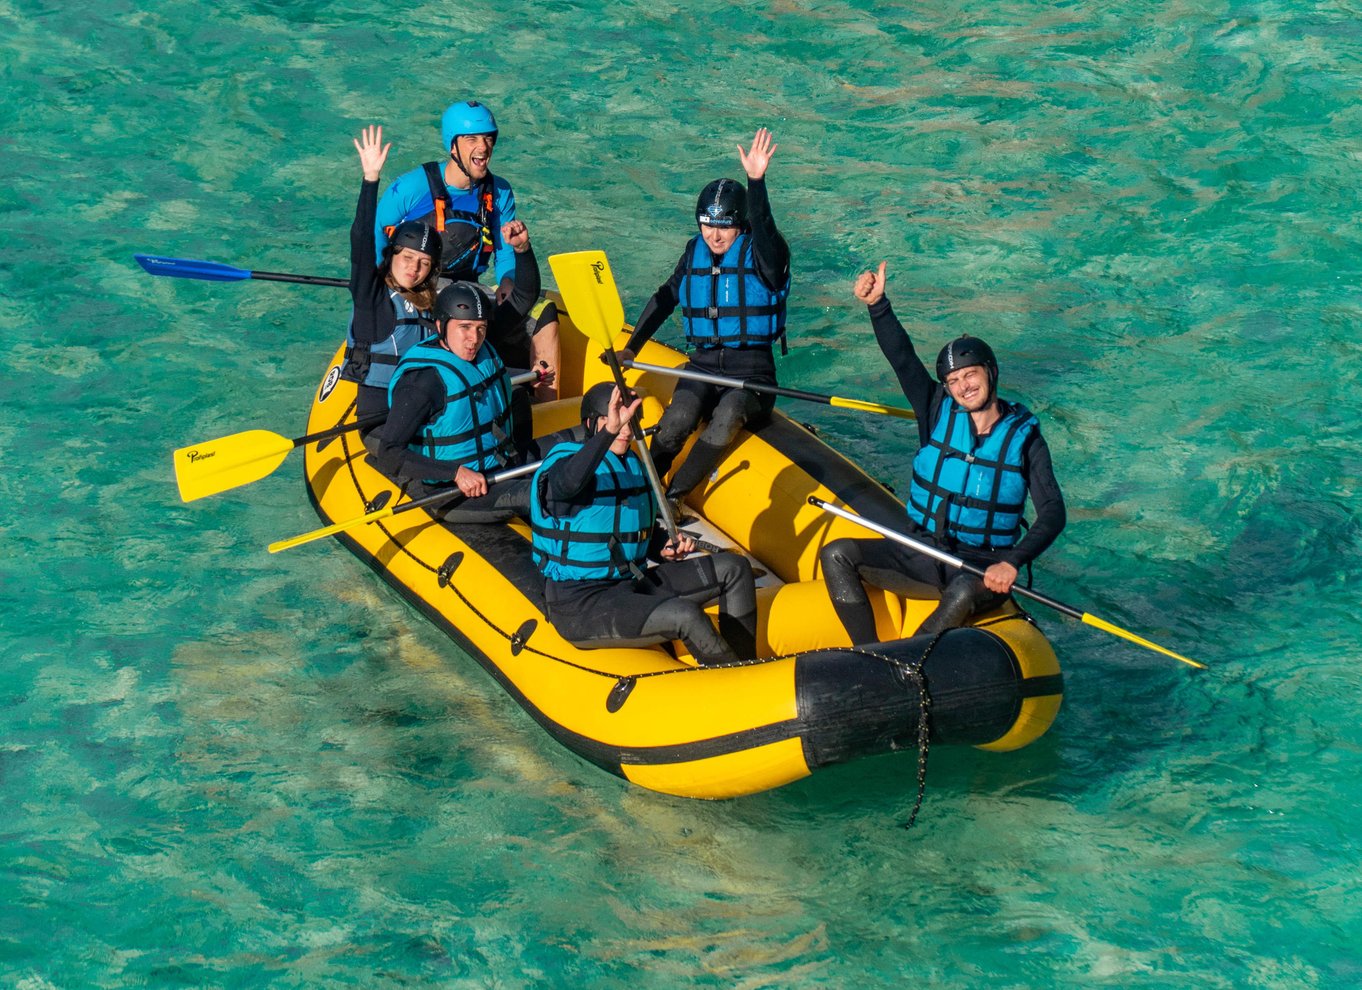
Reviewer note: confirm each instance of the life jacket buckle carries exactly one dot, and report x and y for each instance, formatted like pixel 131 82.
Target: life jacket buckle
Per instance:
pixel 713 312
pixel 716 270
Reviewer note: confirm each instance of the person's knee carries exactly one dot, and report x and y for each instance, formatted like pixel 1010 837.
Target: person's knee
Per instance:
pixel 839 556
pixel 730 416
pixel 675 618
pixel 673 429
pixel 733 570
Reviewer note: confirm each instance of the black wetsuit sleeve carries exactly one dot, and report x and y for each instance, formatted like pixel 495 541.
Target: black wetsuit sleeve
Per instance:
pixel 416 399
pixel 660 306
pixel 919 388
pixel 366 287
pixel 1046 499
pixel 525 290
pixel 507 331
pixel 568 483
pixel 770 252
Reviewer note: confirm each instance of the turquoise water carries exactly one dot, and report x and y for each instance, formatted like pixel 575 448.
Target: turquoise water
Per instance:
pixel 223 768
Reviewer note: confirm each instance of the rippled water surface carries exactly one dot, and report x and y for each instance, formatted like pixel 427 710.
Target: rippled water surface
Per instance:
pixel 223 768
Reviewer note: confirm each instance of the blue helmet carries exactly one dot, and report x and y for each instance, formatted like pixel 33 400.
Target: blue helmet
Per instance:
pixel 469 117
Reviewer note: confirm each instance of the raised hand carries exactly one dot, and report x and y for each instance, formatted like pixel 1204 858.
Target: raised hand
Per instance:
pixel 517 235
pixel 869 287
pixel 619 412
pixel 372 152
pixel 755 162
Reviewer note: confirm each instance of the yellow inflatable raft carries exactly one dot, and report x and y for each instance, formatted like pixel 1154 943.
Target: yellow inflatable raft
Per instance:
pixel 648 715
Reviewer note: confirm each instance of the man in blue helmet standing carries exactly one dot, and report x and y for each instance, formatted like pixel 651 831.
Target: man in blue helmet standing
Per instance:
pixel 980 457
pixel 461 199
pixel 731 284
pixel 469 207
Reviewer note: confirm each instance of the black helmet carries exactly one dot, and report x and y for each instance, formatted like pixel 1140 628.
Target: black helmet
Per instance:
pixel 722 203
pixel 419 237
pixel 596 402
pixel 463 301
pixel 966 352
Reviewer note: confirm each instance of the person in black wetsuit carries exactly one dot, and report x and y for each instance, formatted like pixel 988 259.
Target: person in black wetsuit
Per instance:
pixel 980 457
pixel 452 408
pixel 731 283
pixel 393 300
pixel 593 523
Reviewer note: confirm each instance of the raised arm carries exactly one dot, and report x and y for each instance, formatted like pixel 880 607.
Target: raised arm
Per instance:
pixel 770 252
pixel 917 384
pixel 366 289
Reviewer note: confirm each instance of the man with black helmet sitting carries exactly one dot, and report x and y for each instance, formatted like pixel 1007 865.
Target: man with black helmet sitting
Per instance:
pixel 731 283
pixel 593 522
pixel 980 457
pixel 451 418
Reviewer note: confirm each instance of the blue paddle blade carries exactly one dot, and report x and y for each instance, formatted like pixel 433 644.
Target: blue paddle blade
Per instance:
pixel 209 271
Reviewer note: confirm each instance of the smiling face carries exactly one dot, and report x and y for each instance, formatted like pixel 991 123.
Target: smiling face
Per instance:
pixel 969 387
pixel 719 239
pixel 464 337
pixel 475 152
pixel 409 267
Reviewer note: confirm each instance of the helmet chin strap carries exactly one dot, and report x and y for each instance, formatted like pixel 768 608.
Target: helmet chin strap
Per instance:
pixel 454 157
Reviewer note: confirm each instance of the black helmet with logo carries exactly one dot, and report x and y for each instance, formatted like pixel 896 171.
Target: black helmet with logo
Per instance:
pixel 419 237
pixel 722 203
pixel 966 352
pixel 463 301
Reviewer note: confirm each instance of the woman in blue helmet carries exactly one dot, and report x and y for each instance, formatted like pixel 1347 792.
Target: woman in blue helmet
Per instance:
pixel 393 301
pixel 980 457
pixel 469 206
pixel 731 284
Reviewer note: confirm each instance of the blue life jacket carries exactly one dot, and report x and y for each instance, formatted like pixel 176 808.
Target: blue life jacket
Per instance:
pixel 373 364
pixel 473 429
pixel 606 539
pixel 967 490
pixel 464 222
pixel 724 303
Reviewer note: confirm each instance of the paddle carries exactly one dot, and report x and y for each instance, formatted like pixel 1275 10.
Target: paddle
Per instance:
pixel 589 291
pixel 219 465
pixel 792 393
pixel 215 466
pixel 945 558
pixel 433 498
pixel 212 271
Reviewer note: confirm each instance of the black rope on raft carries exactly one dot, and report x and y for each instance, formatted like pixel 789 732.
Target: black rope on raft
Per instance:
pixel 912 673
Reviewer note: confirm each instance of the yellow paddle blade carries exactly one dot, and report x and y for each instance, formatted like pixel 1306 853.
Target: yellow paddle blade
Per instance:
pixel 588 287
pixel 1106 626
pixel 872 407
pixel 228 462
pixel 317 534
